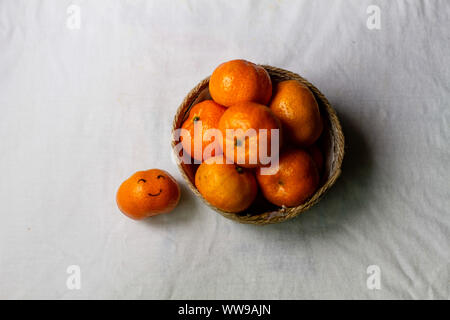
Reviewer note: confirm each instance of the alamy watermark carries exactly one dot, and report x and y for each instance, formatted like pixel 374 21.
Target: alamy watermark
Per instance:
pixel 253 147
pixel 374 19
pixel 73 21
pixel 373 281
pixel 73 281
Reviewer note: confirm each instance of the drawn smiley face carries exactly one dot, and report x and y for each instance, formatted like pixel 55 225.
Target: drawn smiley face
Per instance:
pixel 148 193
pixel 159 176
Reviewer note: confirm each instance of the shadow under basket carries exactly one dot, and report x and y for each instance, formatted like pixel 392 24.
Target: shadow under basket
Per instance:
pixel 261 211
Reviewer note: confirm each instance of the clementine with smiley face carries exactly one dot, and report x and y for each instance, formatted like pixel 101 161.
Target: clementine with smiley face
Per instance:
pixel 148 193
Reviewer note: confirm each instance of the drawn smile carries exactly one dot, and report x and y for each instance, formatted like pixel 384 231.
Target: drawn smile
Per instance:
pixel 155 195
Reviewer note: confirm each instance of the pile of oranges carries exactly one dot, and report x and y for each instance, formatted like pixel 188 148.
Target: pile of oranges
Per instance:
pixel 244 98
pixel 229 175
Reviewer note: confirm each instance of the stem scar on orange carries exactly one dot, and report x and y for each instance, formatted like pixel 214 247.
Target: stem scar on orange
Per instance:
pixel 148 193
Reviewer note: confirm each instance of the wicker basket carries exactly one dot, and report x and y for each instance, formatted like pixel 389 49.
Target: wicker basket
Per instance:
pixel 261 211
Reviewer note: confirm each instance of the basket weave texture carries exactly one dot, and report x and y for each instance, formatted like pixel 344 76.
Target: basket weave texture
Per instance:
pixel 262 212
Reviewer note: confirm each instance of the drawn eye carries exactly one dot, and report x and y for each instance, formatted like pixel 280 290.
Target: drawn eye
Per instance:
pixel 160 176
pixel 143 180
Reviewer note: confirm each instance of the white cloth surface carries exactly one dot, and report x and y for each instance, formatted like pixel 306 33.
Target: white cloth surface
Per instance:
pixel 83 109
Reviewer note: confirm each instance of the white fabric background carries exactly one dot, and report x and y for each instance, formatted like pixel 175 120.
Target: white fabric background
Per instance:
pixel 81 110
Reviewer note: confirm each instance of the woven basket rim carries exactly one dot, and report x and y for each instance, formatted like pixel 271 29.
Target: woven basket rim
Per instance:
pixel 283 213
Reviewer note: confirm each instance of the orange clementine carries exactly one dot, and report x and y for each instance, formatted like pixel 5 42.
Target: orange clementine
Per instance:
pixel 294 104
pixel 243 148
pixel 207 115
pixel 296 180
pixel 239 80
pixel 226 186
pixel 316 154
pixel 148 193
